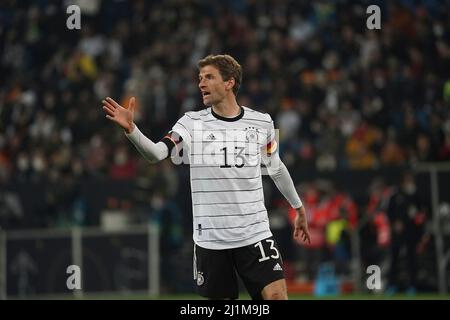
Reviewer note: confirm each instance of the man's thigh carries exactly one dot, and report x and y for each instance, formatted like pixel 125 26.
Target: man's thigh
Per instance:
pixel 214 274
pixel 259 265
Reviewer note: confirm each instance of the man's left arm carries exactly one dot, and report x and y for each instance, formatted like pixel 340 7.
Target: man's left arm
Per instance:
pixel 282 179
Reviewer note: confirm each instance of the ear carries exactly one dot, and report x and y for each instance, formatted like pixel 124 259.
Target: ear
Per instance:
pixel 230 83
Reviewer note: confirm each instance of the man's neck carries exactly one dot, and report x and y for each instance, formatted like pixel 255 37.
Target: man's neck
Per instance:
pixel 228 108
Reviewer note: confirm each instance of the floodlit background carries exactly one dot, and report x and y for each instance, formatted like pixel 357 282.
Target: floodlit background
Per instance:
pixel 364 131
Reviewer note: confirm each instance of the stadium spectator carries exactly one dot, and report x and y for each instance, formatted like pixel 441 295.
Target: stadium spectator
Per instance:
pixel 407 216
pixel 375 233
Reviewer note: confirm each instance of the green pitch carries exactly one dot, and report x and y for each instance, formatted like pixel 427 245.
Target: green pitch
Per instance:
pixel 291 297
pixel 242 296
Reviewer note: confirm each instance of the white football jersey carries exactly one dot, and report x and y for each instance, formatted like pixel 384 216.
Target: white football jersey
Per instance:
pixel 224 155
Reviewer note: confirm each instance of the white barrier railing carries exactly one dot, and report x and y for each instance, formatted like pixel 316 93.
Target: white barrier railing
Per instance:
pixel 442 253
pixel 25 258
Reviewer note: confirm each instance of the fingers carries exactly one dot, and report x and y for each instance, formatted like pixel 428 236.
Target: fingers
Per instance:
pixel 113 103
pixel 109 105
pixel 302 235
pixel 297 235
pixel 306 236
pixel 108 110
pixel 132 104
pixel 296 232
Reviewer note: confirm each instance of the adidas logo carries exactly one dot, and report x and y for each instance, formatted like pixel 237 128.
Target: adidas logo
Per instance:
pixel 211 137
pixel 277 267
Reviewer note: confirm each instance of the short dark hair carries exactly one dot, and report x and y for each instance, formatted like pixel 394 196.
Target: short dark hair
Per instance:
pixel 228 68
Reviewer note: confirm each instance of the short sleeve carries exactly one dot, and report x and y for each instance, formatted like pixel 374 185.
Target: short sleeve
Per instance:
pixel 184 128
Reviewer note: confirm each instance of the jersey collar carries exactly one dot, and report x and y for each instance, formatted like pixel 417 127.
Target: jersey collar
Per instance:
pixel 239 116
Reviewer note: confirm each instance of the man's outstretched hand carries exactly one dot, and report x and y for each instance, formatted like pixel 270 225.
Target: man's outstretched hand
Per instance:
pixel 301 232
pixel 122 116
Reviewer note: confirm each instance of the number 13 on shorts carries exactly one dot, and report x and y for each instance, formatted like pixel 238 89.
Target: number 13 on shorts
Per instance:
pixel 273 249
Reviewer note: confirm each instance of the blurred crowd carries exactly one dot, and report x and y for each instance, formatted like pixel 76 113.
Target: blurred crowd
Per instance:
pixel 390 229
pixel 344 97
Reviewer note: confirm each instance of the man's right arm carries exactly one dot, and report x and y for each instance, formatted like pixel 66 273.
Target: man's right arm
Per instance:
pixel 152 152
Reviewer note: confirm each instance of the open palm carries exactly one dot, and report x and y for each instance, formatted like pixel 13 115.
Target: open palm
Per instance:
pixel 122 116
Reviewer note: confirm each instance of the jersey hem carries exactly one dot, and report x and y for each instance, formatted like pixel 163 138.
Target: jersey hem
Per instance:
pixel 238 244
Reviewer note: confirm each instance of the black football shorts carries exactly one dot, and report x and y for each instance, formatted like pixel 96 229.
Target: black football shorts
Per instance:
pixel 257 265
